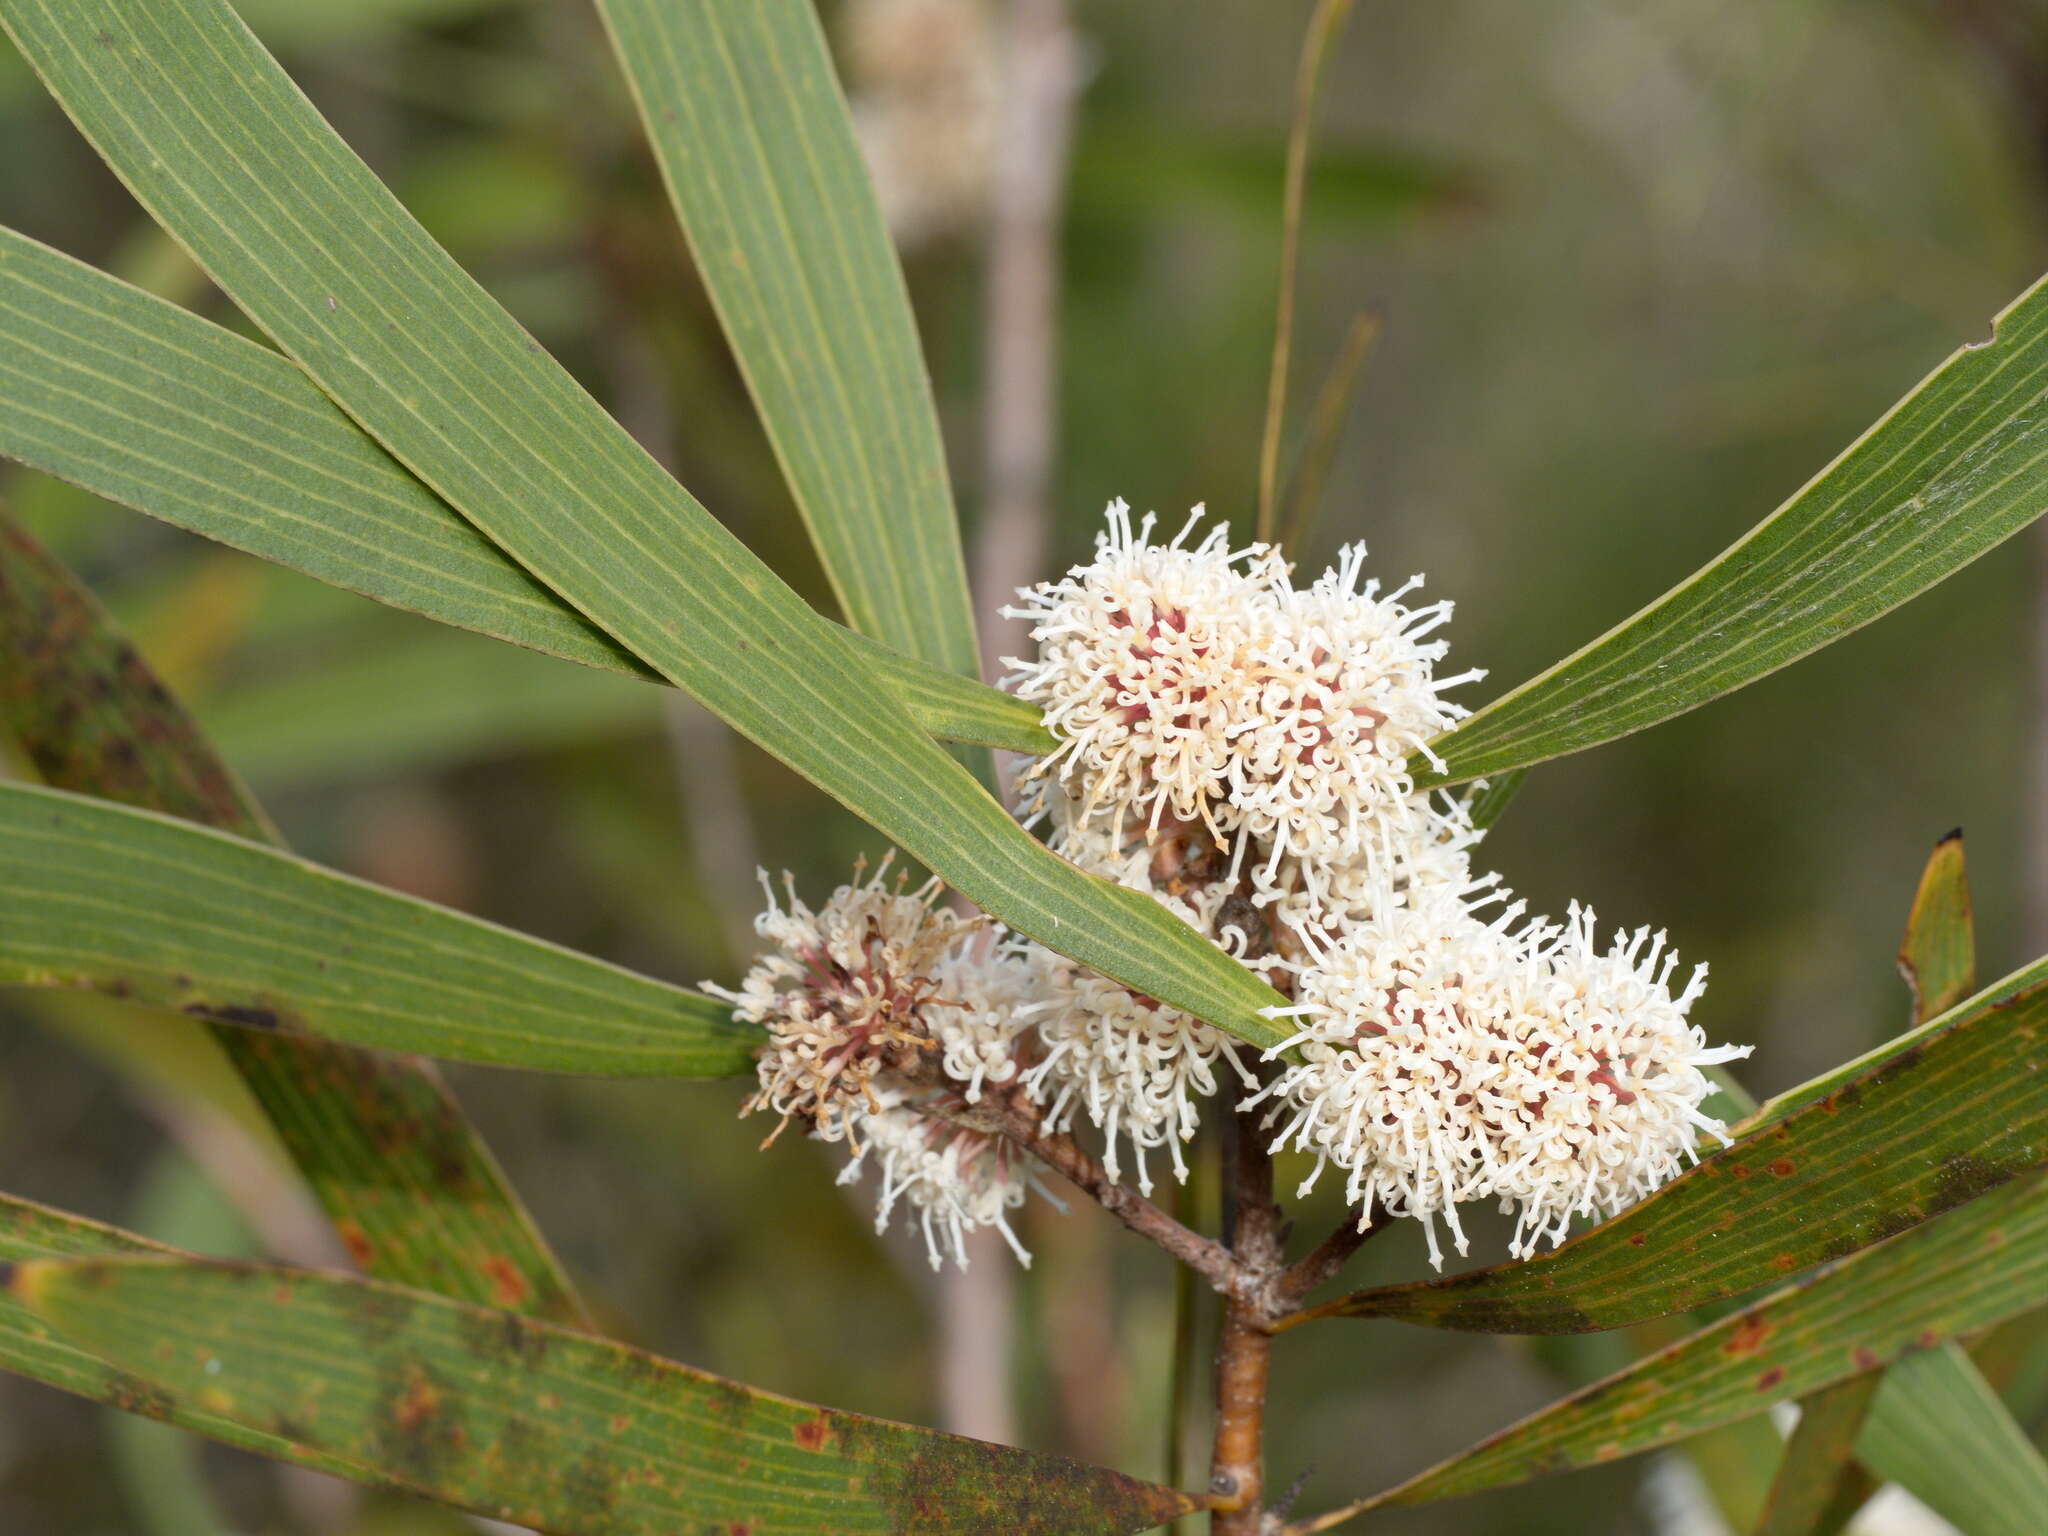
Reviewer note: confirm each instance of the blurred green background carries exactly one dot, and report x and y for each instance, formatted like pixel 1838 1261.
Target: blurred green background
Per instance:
pixel 1645 266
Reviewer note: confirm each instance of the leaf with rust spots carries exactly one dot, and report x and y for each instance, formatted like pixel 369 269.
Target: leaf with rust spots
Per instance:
pixel 1940 1116
pixel 1747 1336
pixel 1931 1285
pixel 568 1432
pixel 416 1404
pixel 812 1434
pixel 27 1346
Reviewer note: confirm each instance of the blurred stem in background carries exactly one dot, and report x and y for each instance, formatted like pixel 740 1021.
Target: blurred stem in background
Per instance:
pixel 1020 317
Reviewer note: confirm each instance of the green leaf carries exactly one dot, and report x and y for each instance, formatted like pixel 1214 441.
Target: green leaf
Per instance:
pixel 154 407
pixel 1963 1271
pixel 216 142
pixel 1929 1120
pixel 336 715
pixel 410 1187
pixel 1938 955
pixel 29 1348
pixel 544 1427
pixel 1940 1432
pixel 1954 468
pixel 1819 1472
pixel 757 150
pixel 164 913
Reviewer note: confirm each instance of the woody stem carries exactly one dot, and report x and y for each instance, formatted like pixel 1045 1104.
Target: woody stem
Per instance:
pixel 1255 1233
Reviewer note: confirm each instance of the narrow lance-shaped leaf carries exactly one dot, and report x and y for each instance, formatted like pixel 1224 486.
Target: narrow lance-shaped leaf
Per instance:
pixel 164 411
pixel 1938 955
pixel 1819 1475
pixel 547 1428
pixel 175 916
pixel 1940 1432
pixel 757 150
pixel 28 1347
pixel 1954 468
pixel 410 1187
pixel 216 142
pixel 1931 1119
pixel 1963 1271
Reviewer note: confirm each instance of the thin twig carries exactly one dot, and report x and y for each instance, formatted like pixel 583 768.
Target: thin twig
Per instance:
pixel 1301 1279
pixel 1019 1120
pixel 1326 429
pixel 1322 27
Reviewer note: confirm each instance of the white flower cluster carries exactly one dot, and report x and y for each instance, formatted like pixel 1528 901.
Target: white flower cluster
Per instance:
pixel 1237 748
pixel 857 998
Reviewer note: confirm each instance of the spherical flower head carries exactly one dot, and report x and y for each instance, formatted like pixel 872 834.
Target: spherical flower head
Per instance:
pixel 1599 1100
pixel 1144 666
pixel 1399 1046
pixel 843 996
pixel 1444 1059
pixel 1319 763
pixel 952 1180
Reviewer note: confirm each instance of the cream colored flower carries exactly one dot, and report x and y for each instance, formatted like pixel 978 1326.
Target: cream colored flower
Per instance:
pixel 1446 1059
pixel 1146 661
pixel 1599 1102
pixel 1347 692
pixel 954 1180
pixel 1399 1044
pixel 843 995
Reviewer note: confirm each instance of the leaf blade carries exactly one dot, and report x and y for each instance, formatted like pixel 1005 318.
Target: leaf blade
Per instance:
pixel 29 1348
pixel 1938 955
pixel 1953 469
pixel 1819 1463
pixel 1940 1432
pixel 456 1401
pixel 756 148
pixel 220 928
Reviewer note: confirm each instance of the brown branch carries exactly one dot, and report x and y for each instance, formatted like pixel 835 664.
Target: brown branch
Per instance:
pixel 1018 1120
pixel 1301 1279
